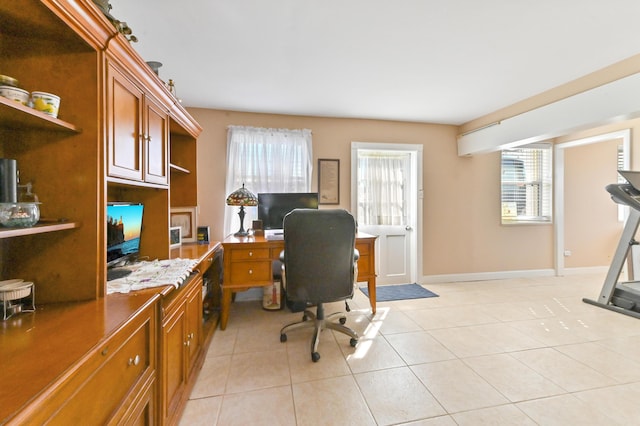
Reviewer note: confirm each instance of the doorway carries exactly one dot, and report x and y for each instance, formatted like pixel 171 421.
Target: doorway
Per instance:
pixel 386 199
pixel 562 250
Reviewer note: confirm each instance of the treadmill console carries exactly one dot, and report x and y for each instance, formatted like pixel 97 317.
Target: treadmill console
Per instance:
pixel 624 193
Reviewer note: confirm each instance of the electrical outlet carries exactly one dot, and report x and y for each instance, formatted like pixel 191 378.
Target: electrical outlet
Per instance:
pixel 567 253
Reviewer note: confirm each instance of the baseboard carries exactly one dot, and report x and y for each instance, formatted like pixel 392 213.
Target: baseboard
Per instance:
pixel 587 270
pixel 500 275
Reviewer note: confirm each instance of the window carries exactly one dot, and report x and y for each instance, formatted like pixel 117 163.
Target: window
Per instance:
pixel 382 192
pixel 526 184
pixel 266 160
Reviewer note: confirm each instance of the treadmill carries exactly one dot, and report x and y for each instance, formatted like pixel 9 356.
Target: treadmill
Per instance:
pixel 623 297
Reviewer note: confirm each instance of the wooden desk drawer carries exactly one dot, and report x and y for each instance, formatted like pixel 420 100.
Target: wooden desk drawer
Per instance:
pixel 123 362
pixel 249 254
pixel 248 272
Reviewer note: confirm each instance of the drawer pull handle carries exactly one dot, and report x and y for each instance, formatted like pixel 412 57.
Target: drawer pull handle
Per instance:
pixel 104 352
pixel 134 361
pixel 250 253
pixel 187 343
pixel 250 271
pixel 190 336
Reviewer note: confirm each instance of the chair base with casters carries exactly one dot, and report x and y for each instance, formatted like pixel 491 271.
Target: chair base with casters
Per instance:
pixel 319 323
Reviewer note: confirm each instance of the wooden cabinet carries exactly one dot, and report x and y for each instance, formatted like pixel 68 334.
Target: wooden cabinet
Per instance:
pixel 117 131
pixel 137 131
pixel 88 363
pixel 116 373
pixel 181 345
pixel 193 318
pixel 156 150
pixel 61 156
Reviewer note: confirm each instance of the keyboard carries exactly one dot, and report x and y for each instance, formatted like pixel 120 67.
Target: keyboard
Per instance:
pixel 117 273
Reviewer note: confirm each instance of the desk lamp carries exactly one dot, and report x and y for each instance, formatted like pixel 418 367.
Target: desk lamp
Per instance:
pixel 242 197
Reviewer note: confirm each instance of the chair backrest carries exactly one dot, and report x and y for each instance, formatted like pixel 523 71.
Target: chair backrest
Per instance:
pixel 319 255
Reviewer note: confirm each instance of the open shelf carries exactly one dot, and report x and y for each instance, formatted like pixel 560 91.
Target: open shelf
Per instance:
pixel 14 115
pixel 39 228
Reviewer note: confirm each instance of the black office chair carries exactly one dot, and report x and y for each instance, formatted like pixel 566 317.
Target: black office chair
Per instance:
pixel 319 267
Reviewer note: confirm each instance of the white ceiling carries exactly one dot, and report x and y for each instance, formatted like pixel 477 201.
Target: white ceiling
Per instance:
pixel 438 61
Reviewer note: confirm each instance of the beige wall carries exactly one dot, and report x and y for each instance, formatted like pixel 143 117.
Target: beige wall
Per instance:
pixel 462 231
pixel 592 229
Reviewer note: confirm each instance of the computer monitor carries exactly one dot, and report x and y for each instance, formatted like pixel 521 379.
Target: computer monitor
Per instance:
pixel 273 206
pixel 124 227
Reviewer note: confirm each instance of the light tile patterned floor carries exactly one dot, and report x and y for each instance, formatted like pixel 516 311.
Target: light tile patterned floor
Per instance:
pixel 503 352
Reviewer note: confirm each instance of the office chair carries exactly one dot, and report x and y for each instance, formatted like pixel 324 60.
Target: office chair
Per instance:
pixel 319 260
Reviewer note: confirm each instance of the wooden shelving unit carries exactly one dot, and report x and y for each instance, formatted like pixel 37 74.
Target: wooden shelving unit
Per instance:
pixel 14 115
pixel 178 168
pixel 40 228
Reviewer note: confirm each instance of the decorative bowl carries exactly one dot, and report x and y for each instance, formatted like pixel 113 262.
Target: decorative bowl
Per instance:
pixel 19 215
pixel 15 94
pixel 46 102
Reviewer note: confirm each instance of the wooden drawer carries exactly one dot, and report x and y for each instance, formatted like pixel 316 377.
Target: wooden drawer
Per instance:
pixel 250 272
pixel 126 359
pixel 249 254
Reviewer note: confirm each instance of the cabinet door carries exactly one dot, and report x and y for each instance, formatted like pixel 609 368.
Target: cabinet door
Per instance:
pixel 124 127
pixel 173 361
pixel 194 324
pixel 157 145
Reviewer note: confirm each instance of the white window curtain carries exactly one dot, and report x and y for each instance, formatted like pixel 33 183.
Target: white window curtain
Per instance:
pixel 266 160
pixel 381 189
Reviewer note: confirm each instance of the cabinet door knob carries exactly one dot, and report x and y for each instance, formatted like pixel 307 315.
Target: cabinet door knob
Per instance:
pixel 134 361
pixel 250 271
pixel 250 253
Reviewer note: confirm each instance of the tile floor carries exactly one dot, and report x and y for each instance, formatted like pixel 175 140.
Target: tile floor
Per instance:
pixel 504 352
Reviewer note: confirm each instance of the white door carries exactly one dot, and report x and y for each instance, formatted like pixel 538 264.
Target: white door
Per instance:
pixel 385 189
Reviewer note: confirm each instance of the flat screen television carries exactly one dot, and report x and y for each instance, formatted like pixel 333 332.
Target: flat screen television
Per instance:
pixel 273 206
pixel 124 227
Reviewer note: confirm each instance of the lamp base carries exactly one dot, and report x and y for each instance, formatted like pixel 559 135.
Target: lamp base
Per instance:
pixel 241 232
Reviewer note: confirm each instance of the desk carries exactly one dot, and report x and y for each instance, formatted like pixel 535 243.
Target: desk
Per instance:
pixel 248 263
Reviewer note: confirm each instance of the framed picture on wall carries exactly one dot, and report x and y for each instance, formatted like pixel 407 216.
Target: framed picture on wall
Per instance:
pixel 185 218
pixel 328 181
